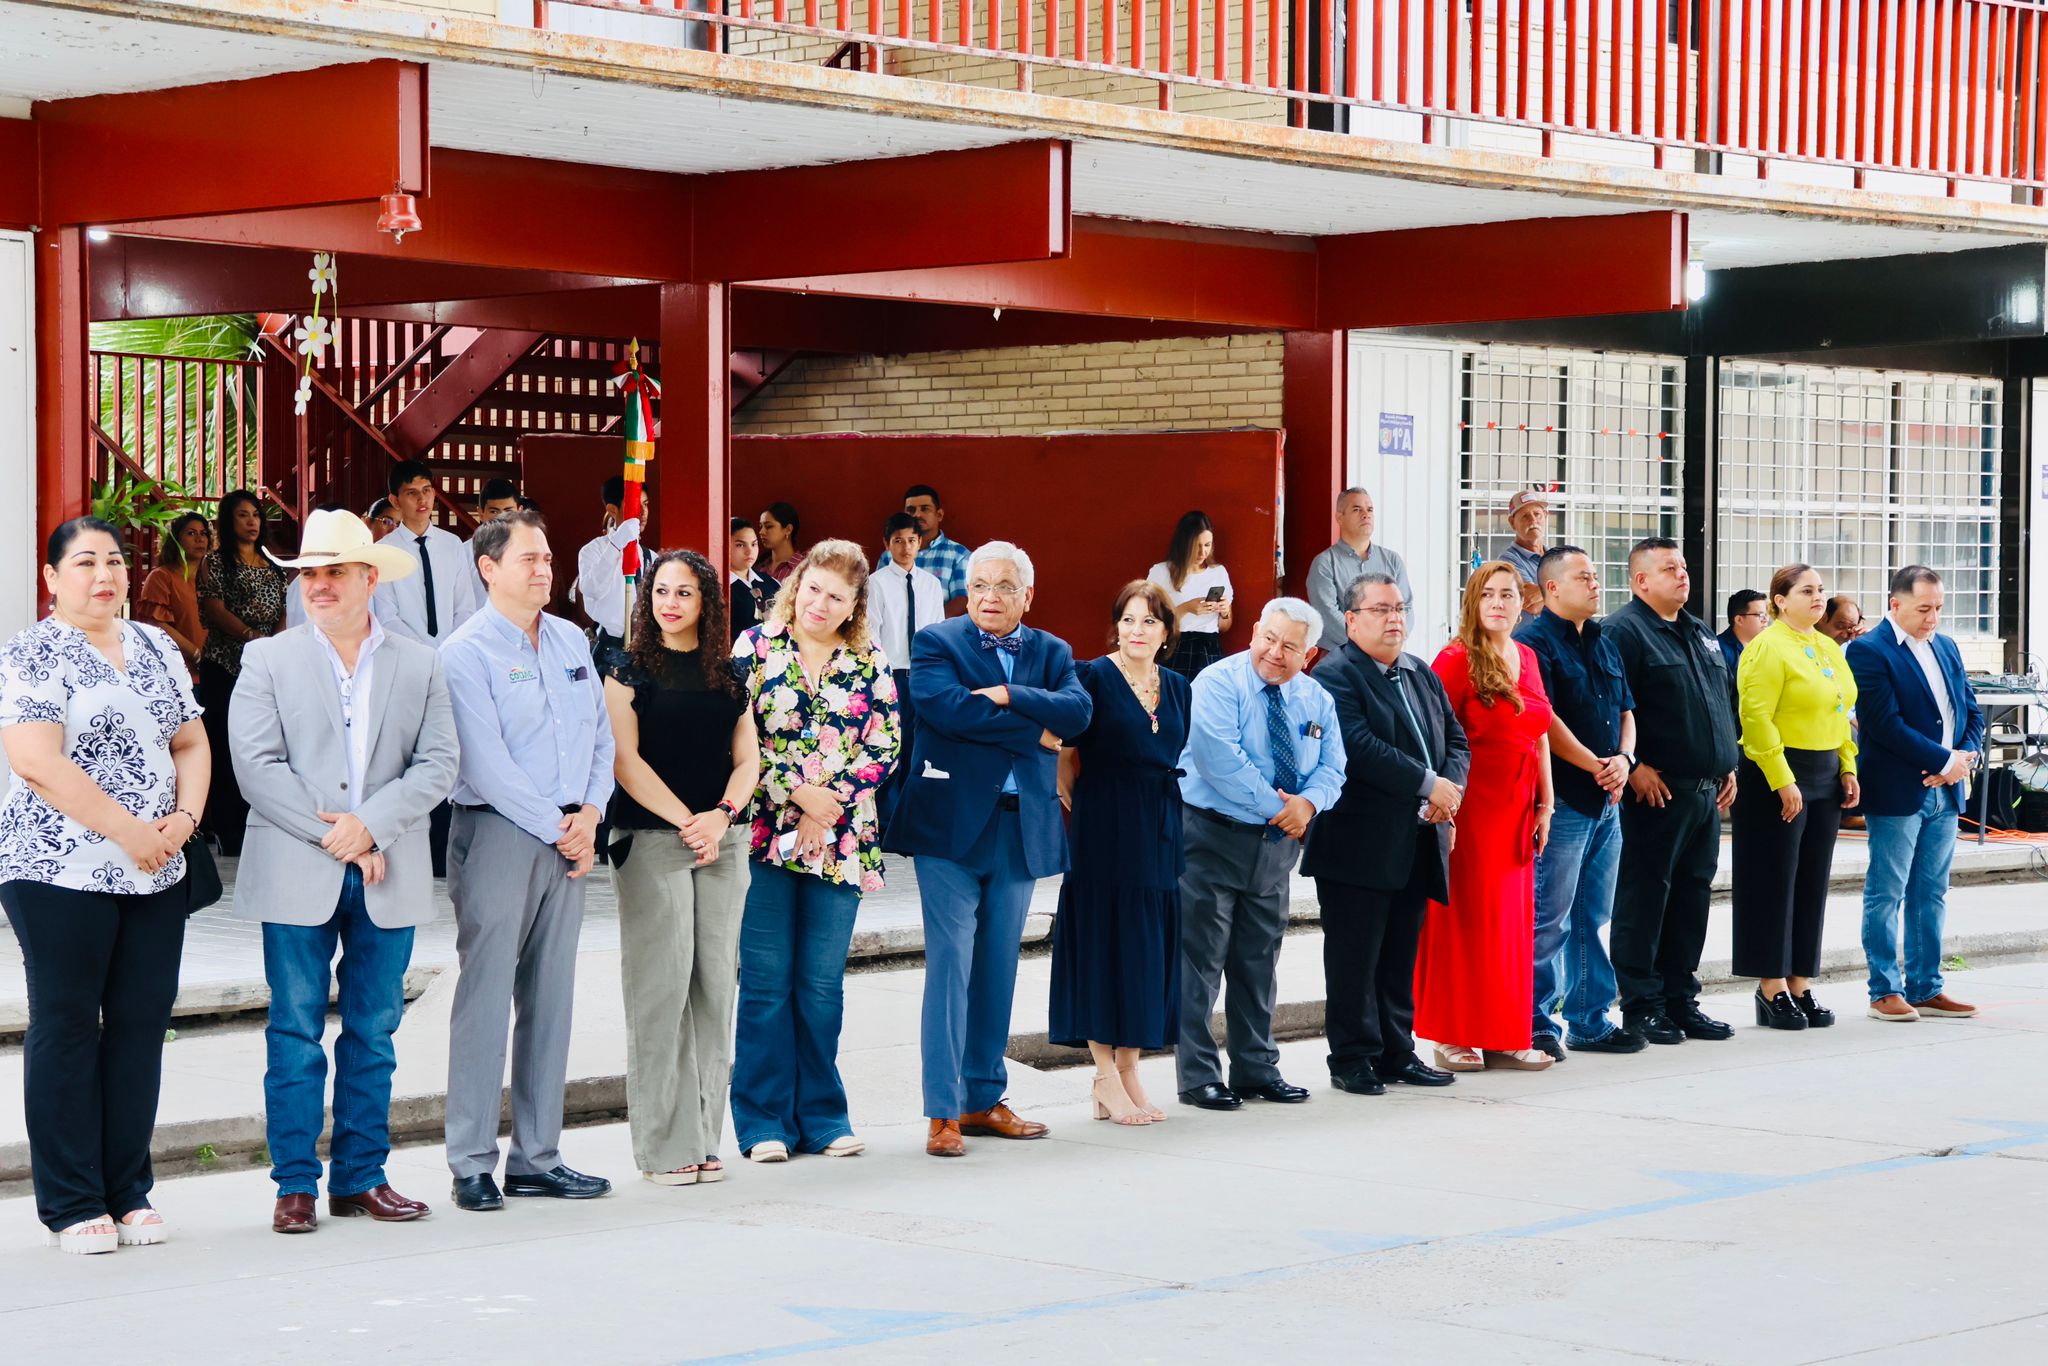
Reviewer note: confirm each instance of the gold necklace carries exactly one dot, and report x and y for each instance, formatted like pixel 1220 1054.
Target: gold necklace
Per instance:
pixel 1139 690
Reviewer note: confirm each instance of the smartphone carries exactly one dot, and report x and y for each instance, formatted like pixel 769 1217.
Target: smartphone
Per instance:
pixel 1215 594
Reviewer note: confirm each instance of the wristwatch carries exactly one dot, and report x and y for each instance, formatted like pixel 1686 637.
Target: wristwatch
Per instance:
pixel 1633 762
pixel 732 813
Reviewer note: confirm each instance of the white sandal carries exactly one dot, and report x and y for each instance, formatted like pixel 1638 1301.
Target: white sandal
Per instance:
pixel 681 1176
pixel 773 1150
pixel 1458 1059
pixel 87 1237
pixel 845 1146
pixel 141 1228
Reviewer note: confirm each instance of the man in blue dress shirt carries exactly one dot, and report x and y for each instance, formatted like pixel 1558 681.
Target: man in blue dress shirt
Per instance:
pixel 1264 755
pixel 980 813
pixel 536 772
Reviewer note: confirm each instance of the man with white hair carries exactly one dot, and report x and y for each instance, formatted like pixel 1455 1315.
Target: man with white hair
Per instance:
pixel 1264 755
pixel 980 812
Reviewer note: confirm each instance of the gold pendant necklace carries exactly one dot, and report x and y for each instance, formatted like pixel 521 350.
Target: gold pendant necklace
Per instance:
pixel 1151 711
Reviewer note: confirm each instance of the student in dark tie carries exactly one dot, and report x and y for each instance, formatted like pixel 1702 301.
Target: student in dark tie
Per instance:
pixel 1382 853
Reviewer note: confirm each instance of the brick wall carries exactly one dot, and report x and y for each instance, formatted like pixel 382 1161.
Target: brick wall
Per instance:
pixel 1180 384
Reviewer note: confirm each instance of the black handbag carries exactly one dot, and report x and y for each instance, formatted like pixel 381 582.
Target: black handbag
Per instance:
pixel 202 875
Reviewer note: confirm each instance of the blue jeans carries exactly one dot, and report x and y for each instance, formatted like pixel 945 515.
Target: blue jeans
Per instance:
pixel 974 911
pixel 794 936
pixel 1574 900
pixel 371 977
pixel 1909 862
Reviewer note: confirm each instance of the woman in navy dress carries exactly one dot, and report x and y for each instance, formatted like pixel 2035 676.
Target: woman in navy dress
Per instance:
pixel 1116 943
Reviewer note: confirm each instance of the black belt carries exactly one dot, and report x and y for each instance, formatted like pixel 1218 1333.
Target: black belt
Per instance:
pixel 567 809
pixel 1690 784
pixel 1264 832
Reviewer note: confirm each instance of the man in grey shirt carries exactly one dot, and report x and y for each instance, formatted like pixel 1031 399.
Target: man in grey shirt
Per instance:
pixel 1331 574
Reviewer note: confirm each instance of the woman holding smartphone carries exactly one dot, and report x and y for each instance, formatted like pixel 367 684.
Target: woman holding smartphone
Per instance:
pixel 1199 589
pixel 824 706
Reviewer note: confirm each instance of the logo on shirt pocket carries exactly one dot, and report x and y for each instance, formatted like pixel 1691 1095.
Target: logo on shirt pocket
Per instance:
pixel 522 675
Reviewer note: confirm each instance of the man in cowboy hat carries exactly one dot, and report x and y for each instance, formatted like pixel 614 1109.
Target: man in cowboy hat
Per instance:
pixel 1529 519
pixel 344 741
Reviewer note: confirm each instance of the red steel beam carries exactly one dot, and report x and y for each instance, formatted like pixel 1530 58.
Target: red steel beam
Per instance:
pixel 459 386
pixel 1120 269
pixel 519 213
pixel 1312 394
pixel 691 478
pixel 1494 272
pixel 62 455
pixel 19 174
pixel 153 277
pixel 234 146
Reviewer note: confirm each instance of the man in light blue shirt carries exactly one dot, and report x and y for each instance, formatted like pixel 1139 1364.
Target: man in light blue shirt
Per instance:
pixel 536 774
pixel 1264 755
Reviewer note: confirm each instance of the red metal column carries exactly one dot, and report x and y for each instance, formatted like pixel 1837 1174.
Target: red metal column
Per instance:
pixel 62 456
pixel 1312 391
pixel 692 471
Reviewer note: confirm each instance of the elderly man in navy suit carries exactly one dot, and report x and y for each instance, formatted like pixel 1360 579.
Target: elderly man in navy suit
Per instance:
pixel 1920 730
pixel 980 813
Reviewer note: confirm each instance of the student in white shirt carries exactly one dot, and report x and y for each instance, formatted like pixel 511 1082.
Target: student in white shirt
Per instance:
pixel 600 577
pixel 429 605
pixel 902 600
pixel 1199 588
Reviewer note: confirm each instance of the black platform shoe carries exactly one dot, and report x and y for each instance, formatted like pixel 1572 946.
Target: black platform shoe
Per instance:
pixel 1780 1012
pixel 1817 1015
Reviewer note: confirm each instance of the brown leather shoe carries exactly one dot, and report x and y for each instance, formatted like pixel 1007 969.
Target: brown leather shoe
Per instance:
pixel 1000 1121
pixel 294 1214
pixel 381 1203
pixel 944 1139
pixel 1945 1005
pixel 1892 1009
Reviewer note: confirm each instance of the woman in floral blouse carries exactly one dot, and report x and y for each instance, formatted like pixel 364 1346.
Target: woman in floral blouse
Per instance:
pixel 109 761
pixel 824 704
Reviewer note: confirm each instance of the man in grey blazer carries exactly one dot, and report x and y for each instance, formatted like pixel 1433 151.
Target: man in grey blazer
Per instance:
pixel 344 741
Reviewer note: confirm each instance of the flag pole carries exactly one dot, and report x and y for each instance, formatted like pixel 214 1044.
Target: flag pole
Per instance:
pixel 639 391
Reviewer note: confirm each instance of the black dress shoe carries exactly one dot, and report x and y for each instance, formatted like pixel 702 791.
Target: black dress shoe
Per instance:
pixel 477 1193
pixel 1278 1092
pixel 1549 1045
pixel 1361 1082
pixel 1214 1096
pixel 1698 1026
pixel 558 1184
pixel 1416 1072
pixel 1779 1012
pixel 1613 1041
pixel 1817 1015
pixel 1655 1027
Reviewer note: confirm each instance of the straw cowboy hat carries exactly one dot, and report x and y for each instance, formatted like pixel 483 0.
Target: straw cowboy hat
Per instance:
pixel 343 538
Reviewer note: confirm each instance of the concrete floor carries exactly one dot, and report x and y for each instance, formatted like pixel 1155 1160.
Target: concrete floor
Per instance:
pixel 1874 1193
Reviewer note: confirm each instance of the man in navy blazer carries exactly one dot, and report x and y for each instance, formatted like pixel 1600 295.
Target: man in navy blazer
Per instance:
pixel 980 813
pixel 1920 730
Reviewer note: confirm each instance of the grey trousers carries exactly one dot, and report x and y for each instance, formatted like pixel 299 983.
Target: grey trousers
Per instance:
pixel 517 916
pixel 1233 914
pixel 679 949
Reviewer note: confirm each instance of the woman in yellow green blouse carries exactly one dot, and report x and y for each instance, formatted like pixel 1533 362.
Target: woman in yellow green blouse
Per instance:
pixel 1798 774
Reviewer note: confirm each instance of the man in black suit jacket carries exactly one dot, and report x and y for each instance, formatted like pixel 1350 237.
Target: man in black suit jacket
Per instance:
pixel 1383 851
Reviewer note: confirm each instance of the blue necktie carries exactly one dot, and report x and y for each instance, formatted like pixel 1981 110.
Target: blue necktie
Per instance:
pixel 1008 644
pixel 1285 776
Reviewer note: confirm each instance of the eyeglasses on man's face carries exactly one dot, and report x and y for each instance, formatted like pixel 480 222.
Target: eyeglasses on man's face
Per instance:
pixel 1005 591
pixel 1382 611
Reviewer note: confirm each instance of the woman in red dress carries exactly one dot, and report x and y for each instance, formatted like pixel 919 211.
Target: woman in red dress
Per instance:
pixel 1473 971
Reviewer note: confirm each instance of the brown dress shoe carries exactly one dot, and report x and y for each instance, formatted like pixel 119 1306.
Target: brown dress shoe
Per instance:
pixel 1892 1010
pixel 1945 1005
pixel 381 1203
pixel 1000 1121
pixel 944 1139
pixel 294 1214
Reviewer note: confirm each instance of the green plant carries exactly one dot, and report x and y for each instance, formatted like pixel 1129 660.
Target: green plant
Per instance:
pixel 141 400
pixel 134 506
pixel 206 1155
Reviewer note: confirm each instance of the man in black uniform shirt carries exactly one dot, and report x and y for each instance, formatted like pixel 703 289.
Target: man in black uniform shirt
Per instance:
pixel 1683 779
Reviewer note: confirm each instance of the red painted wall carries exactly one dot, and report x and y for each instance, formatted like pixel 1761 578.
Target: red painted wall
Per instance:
pixel 1092 510
pixel 565 474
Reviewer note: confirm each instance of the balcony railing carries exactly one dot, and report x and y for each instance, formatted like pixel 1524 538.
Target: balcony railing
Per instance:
pixel 1953 91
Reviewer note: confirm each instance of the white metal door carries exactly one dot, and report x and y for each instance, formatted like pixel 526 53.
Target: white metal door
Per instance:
pixel 18 589
pixel 1402 449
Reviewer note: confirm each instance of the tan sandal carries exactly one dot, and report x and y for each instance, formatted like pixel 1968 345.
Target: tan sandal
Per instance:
pixel 1457 1059
pixel 679 1176
pixel 1518 1059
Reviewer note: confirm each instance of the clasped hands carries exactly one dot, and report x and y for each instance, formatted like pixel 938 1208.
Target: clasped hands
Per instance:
pixel 1960 762
pixel 350 841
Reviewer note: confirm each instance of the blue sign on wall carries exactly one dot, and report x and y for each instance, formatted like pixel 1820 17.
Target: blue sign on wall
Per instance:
pixel 1397 433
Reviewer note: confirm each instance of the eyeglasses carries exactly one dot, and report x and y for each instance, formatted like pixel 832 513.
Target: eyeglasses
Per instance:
pixel 1005 591
pixel 1381 611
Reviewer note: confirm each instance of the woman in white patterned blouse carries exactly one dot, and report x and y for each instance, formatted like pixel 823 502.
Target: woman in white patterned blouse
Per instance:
pixel 110 762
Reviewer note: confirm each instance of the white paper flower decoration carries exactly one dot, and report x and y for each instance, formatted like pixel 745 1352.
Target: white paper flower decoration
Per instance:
pixel 304 395
pixel 322 273
pixel 314 335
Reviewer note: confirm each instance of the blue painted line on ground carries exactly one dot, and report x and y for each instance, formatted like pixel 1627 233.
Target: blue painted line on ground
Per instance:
pixel 864 1328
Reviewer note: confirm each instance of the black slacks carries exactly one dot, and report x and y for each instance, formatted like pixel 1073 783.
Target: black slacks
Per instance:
pixel 1781 873
pixel 227 815
pixel 102 975
pixel 1369 940
pixel 1661 895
